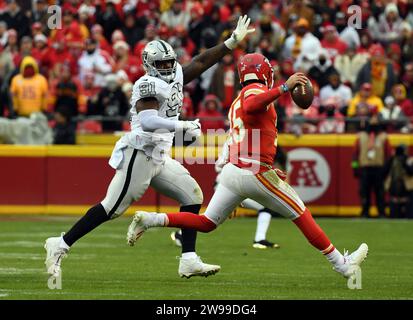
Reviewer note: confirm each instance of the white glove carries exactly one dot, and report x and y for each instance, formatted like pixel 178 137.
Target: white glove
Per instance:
pixel 223 158
pixel 239 33
pixel 193 128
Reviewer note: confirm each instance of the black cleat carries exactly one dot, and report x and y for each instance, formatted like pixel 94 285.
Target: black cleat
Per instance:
pixel 264 244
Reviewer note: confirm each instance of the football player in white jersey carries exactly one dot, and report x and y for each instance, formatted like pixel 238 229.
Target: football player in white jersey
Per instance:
pixel 141 157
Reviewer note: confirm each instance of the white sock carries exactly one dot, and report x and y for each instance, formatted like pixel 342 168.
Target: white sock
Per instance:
pixel 156 220
pixel 189 255
pixel 335 257
pixel 263 222
pixel 63 244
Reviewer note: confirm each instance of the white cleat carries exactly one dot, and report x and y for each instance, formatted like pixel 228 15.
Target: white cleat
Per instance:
pixel 54 256
pixel 137 226
pixel 190 267
pixel 353 261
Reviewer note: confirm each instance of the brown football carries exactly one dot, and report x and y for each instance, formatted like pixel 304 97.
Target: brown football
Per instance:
pixel 303 95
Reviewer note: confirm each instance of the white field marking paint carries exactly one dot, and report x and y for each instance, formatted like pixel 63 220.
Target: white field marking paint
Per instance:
pixel 14 271
pixel 24 234
pixel 14 255
pixel 24 244
pixel 35 256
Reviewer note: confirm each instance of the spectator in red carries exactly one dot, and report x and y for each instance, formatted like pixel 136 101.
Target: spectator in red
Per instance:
pixel 59 54
pixel 186 41
pixel 331 41
pixel 209 115
pixel 36 29
pixel 400 95
pixel 187 111
pixel 127 62
pixel 163 33
pixel 71 29
pixel 88 92
pixel 150 34
pixel 41 52
pixel 225 82
pixel 97 35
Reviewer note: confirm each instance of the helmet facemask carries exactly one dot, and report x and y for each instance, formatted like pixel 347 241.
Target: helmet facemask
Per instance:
pixel 159 60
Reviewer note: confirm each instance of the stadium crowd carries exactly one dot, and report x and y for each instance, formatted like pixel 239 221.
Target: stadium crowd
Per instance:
pixel 81 75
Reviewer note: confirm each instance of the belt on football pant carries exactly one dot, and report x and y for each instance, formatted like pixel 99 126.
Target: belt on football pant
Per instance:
pixel 257 162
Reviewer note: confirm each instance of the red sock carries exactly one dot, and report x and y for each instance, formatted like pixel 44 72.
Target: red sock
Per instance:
pixel 188 220
pixel 314 234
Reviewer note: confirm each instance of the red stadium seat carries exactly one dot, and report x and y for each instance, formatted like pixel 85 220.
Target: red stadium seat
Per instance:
pixel 89 126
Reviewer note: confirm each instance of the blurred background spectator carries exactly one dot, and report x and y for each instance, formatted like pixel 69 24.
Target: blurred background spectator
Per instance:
pixel 354 69
pixel 371 152
pixel 399 183
pixel 210 115
pixel 29 89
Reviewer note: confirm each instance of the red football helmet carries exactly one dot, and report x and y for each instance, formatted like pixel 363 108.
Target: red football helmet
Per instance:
pixel 255 66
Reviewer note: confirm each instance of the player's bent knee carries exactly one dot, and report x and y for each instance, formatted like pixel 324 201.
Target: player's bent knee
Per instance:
pixel 207 225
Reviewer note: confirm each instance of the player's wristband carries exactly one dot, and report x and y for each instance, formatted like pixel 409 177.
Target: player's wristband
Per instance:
pixel 284 88
pixel 231 43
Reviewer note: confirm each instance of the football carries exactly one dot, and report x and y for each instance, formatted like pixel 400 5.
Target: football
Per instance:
pixel 303 95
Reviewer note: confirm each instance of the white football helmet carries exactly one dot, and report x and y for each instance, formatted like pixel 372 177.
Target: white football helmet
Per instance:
pixel 155 51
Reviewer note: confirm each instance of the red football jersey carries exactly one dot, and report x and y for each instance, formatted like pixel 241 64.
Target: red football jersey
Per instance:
pixel 253 135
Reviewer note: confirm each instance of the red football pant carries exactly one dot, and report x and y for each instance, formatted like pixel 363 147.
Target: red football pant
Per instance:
pixel 314 234
pixel 188 220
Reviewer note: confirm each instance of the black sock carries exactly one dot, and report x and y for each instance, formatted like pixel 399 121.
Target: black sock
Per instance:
pixel 93 218
pixel 189 235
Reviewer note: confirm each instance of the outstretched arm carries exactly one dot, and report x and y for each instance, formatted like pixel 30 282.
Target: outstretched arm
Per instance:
pixel 204 61
pixel 259 102
pixel 211 56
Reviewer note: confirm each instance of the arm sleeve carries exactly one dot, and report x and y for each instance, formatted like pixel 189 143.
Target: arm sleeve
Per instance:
pixel 258 102
pixel 150 121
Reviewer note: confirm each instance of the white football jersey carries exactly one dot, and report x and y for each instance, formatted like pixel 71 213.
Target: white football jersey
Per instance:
pixel 170 97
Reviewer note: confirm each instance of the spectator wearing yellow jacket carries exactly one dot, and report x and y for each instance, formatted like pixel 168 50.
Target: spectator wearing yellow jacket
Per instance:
pixel 365 102
pixel 29 89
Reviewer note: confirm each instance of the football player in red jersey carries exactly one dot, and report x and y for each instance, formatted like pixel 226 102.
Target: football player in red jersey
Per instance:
pixel 249 172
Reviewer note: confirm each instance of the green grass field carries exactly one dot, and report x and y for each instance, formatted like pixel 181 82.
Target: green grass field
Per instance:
pixel 102 266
